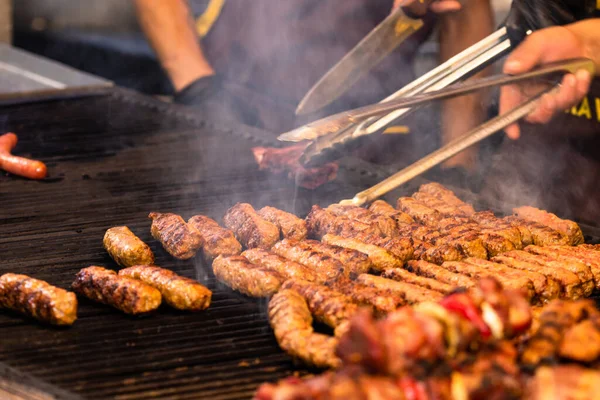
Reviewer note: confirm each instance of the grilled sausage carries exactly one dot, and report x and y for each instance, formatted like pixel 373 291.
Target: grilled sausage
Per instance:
pixel 126 248
pixel 303 253
pixel 447 196
pixel 20 166
pixel 320 222
pixel 412 293
pixel 179 292
pixel 573 264
pixel 326 305
pixel 240 274
pixel 126 294
pixel 382 223
pixel 250 228
pixel 38 299
pixel 216 241
pixel 440 274
pixel 568 228
pixel 290 226
pixel 541 235
pixel 179 239
pixel 382 208
pixel 291 321
pixel 419 211
pixel 286 268
pixel 380 257
pixel 402 275
pixel 381 301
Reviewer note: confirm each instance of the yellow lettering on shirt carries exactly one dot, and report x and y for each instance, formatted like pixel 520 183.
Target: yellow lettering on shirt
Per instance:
pixel 598 107
pixel 573 110
pixel 584 109
pixel 597 4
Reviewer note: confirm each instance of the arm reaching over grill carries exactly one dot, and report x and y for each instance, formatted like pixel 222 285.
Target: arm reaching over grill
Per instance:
pixel 240 274
pixel 179 239
pixel 290 226
pixel 127 249
pixel 38 299
pixel 216 241
pixel 291 321
pixel 568 228
pixel 250 228
pixel 178 291
pixel 123 293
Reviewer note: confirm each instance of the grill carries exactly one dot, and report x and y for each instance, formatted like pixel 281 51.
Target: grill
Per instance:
pixel 113 158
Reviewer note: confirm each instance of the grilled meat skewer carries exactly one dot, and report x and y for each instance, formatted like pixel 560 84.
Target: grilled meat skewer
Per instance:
pixel 38 299
pixel 240 274
pixel 179 239
pixel 126 248
pixel 216 241
pixel 123 293
pixel 179 292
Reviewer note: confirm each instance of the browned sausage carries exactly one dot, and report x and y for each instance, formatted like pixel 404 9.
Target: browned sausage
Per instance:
pixel 126 294
pixel 127 249
pixel 250 228
pixel 27 168
pixel 240 274
pixel 178 291
pixel 291 227
pixel 38 299
pixel 178 238
pixel 217 241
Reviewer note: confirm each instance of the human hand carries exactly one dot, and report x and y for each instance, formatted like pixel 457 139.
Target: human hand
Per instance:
pixel 541 47
pixel 419 7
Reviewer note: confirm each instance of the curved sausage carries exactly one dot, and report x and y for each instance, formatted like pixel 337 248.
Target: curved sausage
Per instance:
pixel 20 166
pixel 179 239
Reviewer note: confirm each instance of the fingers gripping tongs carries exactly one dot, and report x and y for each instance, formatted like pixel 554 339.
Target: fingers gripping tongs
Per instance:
pixel 330 141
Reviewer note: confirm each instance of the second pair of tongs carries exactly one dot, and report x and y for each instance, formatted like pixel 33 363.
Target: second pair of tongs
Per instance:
pixel 344 120
pixel 476 135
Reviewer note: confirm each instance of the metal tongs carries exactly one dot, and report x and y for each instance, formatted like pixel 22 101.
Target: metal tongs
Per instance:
pixel 555 71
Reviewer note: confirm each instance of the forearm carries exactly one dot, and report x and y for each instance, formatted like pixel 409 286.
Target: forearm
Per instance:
pixel 169 28
pixel 458 31
pixel 588 32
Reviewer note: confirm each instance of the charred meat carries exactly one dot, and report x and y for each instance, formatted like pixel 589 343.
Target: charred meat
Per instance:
pixel 290 226
pixel 250 228
pixel 217 241
pixel 179 239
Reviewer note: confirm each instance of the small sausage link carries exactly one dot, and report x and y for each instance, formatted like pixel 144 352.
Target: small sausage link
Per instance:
pixel 126 248
pixel 20 166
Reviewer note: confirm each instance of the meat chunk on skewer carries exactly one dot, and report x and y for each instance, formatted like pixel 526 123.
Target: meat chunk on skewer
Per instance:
pixel 291 321
pixel 126 248
pixel 286 268
pixel 412 293
pixel 179 239
pixel 38 299
pixel 571 286
pixel 250 228
pixel 217 241
pixel 380 257
pixel 325 304
pixel 290 226
pixel 123 293
pixel 240 274
pixel 568 228
pixel 178 291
